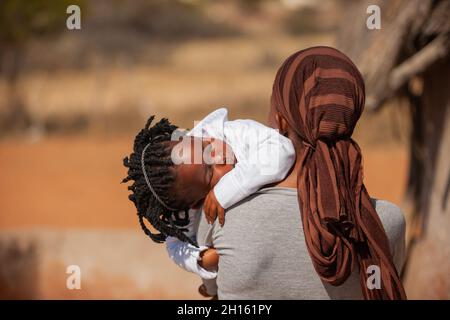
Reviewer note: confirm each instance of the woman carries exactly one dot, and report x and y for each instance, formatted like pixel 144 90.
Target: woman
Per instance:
pixel 318 96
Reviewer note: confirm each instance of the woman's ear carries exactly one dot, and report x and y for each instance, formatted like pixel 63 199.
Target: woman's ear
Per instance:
pixel 282 124
pixel 272 120
pixel 277 121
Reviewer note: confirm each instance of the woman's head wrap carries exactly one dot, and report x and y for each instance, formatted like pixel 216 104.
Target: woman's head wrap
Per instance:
pixel 320 93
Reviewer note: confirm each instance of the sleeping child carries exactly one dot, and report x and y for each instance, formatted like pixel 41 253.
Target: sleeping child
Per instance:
pixel 212 167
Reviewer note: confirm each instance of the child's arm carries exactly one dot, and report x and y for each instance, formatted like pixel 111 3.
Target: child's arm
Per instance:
pixel 270 157
pixel 189 257
pixel 186 255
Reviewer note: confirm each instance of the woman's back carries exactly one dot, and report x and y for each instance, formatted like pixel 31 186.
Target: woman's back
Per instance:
pixel 263 253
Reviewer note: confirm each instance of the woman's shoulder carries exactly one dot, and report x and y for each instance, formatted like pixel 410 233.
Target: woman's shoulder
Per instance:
pixel 393 221
pixel 391 217
pixel 385 207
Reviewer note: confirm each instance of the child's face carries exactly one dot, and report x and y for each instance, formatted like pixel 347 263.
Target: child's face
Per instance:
pixel 203 163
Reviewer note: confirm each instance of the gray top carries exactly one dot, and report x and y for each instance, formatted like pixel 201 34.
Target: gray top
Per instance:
pixel 263 254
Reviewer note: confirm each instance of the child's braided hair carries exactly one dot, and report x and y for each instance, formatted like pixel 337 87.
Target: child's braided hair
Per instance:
pixel 159 169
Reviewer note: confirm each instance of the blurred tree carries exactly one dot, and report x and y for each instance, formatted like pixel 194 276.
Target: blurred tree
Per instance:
pixel 177 19
pixel 409 57
pixel 21 21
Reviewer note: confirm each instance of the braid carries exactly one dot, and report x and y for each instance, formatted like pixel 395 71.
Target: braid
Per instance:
pixel 160 172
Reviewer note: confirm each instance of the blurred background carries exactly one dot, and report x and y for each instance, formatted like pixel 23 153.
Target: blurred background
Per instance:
pixel 71 102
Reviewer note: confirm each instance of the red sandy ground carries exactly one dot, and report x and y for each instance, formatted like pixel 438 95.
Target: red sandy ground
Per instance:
pixel 74 182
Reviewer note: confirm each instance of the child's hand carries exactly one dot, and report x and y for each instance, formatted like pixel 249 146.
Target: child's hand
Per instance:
pixel 209 259
pixel 213 209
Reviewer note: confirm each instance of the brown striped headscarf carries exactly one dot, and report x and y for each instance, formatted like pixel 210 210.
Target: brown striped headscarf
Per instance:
pixel 320 93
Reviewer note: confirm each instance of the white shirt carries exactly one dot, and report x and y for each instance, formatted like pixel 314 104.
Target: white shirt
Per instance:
pixel 263 156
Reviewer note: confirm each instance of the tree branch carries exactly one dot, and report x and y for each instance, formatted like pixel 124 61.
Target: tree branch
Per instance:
pixel 435 50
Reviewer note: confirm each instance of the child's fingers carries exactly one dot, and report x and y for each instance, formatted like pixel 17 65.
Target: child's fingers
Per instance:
pixel 210 214
pixel 221 214
pixel 207 209
pixel 213 214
